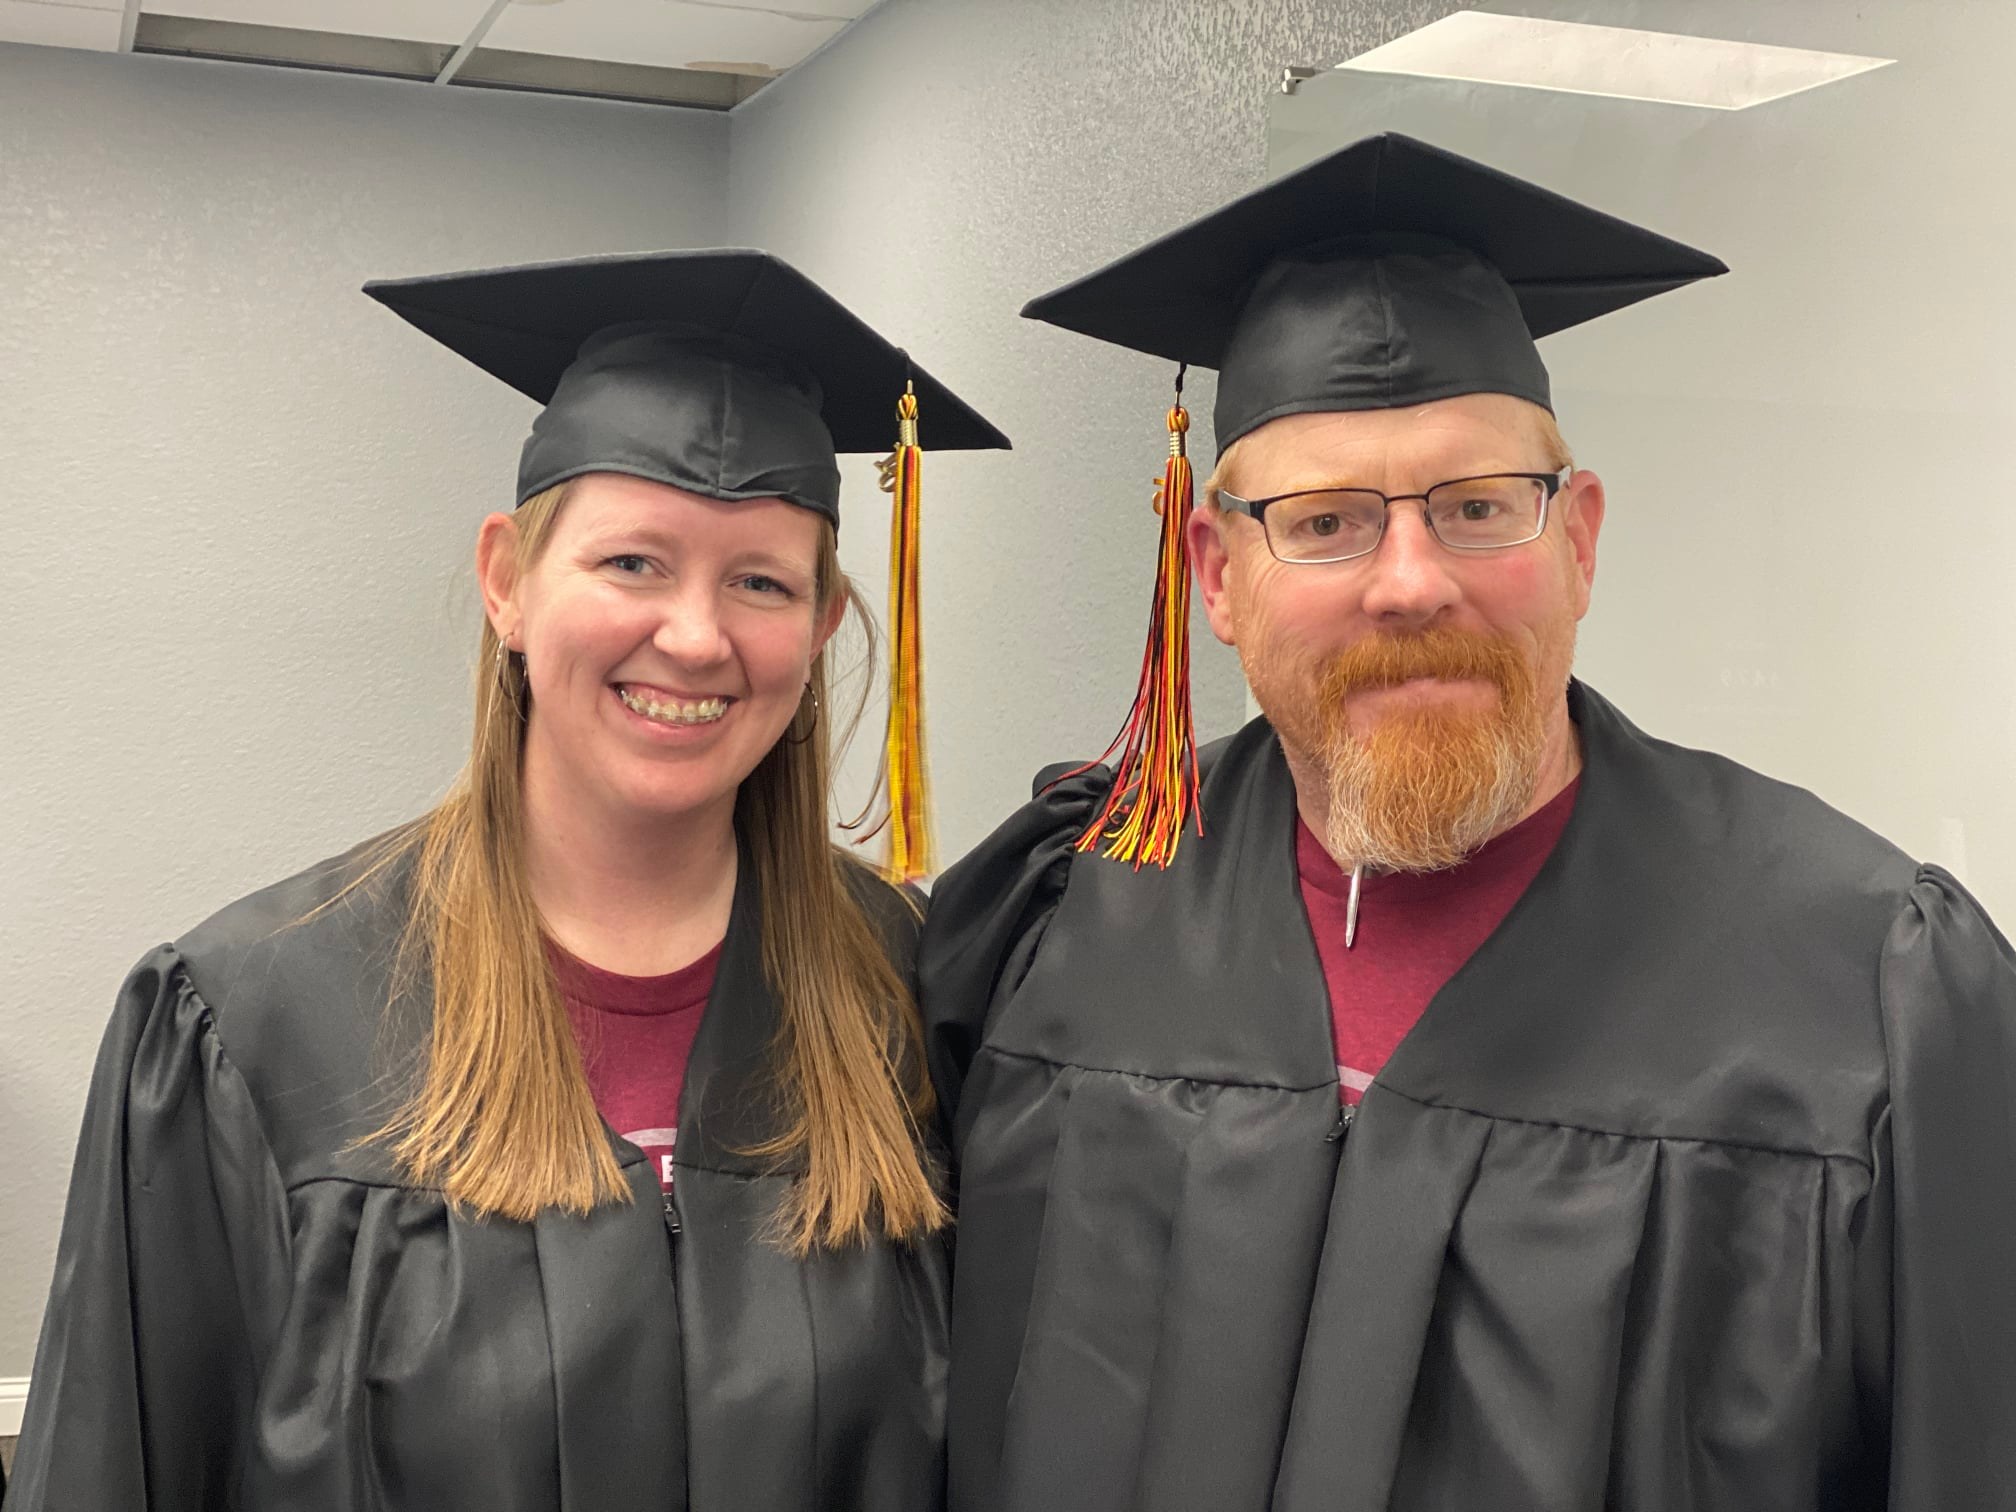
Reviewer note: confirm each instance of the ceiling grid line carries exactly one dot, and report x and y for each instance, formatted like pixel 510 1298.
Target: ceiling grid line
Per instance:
pixel 470 43
pixel 698 54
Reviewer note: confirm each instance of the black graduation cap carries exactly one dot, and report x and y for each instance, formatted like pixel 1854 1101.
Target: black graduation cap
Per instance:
pixel 724 372
pixel 1389 273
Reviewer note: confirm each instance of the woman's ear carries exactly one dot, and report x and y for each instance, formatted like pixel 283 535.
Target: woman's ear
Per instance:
pixel 497 574
pixel 829 622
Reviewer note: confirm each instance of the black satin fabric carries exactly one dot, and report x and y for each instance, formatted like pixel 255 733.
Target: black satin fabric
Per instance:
pixel 1693 1191
pixel 1374 322
pixel 251 1311
pixel 722 371
pixel 715 415
pixel 1387 273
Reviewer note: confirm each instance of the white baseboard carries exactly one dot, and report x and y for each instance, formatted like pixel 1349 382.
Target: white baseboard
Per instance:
pixel 13 1398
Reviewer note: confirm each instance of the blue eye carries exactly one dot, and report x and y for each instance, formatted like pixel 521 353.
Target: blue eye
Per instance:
pixel 628 563
pixel 765 585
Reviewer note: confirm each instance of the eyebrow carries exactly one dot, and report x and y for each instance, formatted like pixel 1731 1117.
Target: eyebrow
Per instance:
pixel 630 530
pixel 1317 484
pixel 671 542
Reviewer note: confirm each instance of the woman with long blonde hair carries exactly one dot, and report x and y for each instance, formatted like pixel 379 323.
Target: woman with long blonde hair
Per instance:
pixel 569 1147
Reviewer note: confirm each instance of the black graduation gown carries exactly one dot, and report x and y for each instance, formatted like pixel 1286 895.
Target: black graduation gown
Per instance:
pixel 250 1312
pixel 1693 1191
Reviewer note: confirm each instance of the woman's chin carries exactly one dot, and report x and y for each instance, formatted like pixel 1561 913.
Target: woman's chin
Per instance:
pixel 650 782
pixel 655 802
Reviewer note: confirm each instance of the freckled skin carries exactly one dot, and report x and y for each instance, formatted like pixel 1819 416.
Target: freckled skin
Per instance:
pixel 1287 619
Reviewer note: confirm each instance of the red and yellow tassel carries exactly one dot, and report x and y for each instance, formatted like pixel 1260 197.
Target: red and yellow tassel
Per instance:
pixel 1155 789
pixel 905 771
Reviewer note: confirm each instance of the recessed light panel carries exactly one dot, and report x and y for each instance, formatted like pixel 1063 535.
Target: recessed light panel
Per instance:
pixel 1578 58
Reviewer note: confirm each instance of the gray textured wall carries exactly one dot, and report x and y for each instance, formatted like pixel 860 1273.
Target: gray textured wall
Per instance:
pixel 235 627
pixel 234 624
pixel 939 165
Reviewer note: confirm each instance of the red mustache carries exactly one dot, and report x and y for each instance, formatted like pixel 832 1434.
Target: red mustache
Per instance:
pixel 1386 661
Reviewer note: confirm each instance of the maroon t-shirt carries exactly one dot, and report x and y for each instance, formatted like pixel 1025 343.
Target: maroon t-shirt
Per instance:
pixel 1415 931
pixel 636 1035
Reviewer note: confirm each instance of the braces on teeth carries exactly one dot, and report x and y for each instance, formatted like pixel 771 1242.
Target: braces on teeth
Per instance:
pixel 706 711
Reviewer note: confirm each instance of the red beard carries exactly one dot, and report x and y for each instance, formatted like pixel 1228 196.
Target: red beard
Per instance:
pixel 1425 787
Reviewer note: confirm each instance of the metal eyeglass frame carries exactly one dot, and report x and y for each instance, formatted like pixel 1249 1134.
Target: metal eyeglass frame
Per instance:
pixel 1552 483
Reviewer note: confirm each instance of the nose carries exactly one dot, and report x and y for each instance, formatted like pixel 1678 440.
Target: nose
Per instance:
pixel 1410 582
pixel 690 631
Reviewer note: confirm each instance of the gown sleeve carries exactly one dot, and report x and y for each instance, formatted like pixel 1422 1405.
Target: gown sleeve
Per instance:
pixel 170 1263
pixel 1946 1190
pixel 987 914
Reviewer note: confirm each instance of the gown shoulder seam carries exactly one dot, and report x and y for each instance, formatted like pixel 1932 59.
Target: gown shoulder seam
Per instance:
pixel 1755 1146
pixel 380 1183
pixel 1156 1076
pixel 326 1178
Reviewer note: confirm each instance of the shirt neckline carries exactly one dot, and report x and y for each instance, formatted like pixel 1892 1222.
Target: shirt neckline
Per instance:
pixel 595 987
pixel 1526 843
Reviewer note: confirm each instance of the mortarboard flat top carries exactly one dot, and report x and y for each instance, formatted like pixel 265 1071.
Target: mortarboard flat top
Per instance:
pixel 724 372
pixel 1389 273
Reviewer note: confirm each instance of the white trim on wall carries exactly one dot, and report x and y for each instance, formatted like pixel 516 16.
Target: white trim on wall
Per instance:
pixel 13 1400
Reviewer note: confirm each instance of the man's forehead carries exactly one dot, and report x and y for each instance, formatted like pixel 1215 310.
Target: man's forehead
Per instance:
pixel 1472 432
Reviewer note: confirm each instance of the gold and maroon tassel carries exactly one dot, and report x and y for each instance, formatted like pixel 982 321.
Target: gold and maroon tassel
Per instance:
pixel 1155 790
pixel 905 771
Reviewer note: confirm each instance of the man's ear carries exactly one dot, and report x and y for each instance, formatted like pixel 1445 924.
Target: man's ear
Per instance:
pixel 1582 504
pixel 1211 560
pixel 497 574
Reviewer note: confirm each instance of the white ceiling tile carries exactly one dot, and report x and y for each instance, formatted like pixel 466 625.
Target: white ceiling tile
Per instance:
pixel 668 33
pixel 87 26
pixel 402 20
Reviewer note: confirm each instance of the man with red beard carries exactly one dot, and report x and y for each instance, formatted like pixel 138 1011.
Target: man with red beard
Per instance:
pixel 1492 1107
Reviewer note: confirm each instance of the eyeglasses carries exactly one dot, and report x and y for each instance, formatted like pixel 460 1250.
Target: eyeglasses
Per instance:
pixel 1464 514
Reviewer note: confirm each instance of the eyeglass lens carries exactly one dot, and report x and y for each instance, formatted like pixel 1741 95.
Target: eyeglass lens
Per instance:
pixel 1475 514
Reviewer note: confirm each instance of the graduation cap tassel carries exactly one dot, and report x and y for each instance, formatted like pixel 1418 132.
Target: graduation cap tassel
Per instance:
pixel 908 817
pixel 1155 779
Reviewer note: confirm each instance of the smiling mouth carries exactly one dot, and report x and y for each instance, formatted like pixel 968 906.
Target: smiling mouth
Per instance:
pixel 673 711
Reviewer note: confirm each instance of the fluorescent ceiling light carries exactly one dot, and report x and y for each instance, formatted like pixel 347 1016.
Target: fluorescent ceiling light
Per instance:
pixel 1578 58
